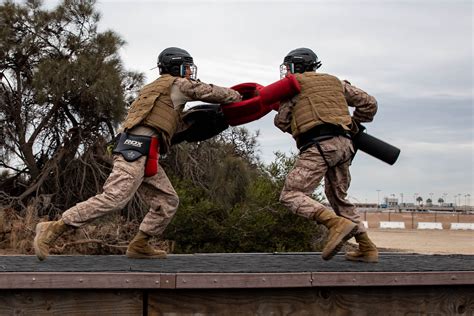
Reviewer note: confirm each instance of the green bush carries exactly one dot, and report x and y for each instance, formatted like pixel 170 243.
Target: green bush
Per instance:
pixel 233 207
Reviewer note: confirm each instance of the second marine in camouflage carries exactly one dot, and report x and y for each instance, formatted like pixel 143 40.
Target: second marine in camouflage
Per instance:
pixel 319 120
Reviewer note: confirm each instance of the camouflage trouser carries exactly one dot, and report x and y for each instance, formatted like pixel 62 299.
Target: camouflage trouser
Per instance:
pixel 127 178
pixel 309 170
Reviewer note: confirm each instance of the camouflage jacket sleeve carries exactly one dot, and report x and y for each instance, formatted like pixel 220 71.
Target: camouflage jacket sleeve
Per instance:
pixel 365 105
pixel 283 117
pixel 199 91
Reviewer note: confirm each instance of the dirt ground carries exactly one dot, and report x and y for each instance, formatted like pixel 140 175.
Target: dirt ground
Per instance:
pixel 424 241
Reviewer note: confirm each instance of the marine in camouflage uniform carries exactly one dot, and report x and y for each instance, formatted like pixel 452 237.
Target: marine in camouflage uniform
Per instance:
pixel 319 120
pixel 156 112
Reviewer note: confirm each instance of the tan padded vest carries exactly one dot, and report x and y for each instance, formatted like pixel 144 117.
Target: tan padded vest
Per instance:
pixel 154 108
pixel 320 101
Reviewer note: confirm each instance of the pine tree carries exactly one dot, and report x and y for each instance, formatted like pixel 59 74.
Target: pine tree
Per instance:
pixel 63 87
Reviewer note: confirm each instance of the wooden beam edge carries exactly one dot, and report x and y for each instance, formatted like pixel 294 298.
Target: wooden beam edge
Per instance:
pixel 393 278
pixel 108 280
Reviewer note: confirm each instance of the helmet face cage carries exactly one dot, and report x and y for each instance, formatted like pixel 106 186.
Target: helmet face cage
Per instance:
pixel 188 70
pixel 286 69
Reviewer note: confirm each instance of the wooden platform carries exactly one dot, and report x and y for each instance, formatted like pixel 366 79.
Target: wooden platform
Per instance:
pixel 243 284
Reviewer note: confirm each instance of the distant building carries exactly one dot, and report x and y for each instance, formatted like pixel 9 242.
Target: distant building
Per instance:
pixel 447 204
pixel 390 201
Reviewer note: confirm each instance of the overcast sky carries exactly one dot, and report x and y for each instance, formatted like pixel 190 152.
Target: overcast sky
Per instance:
pixel 415 57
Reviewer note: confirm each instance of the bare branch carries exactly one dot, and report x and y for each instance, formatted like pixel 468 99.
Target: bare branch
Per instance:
pixel 44 174
pixel 43 123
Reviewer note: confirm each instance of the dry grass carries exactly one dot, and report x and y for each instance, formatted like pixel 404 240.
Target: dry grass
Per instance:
pixel 16 231
pixel 109 235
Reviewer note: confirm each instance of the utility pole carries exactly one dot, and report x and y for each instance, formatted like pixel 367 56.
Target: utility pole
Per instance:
pixel 456 201
pixel 378 198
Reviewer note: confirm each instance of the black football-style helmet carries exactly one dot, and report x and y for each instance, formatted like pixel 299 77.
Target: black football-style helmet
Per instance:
pixel 298 61
pixel 177 62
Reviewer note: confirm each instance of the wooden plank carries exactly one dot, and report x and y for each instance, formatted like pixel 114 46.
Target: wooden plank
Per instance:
pixel 392 278
pixel 75 280
pixel 242 280
pixel 71 302
pixel 104 280
pixel 433 300
pixel 168 280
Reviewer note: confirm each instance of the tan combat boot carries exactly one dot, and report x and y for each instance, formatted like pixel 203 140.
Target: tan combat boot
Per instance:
pixel 340 230
pixel 46 235
pixel 367 250
pixel 140 249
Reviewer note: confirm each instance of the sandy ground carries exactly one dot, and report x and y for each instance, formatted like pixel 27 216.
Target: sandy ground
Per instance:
pixel 424 241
